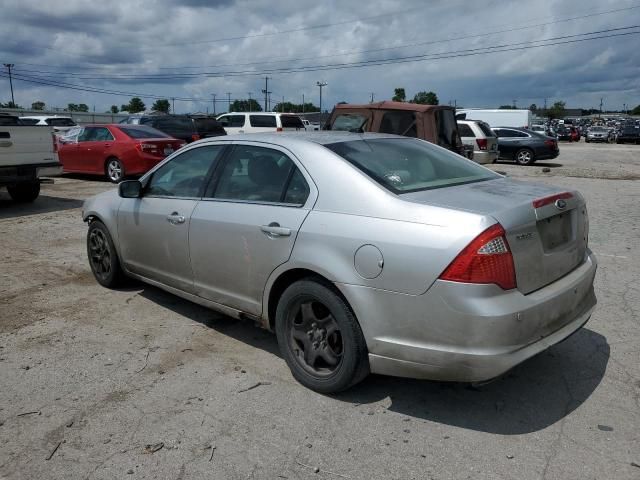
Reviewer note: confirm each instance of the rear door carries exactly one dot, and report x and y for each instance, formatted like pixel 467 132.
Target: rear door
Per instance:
pixel 94 147
pixel 233 123
pixel 247 224
pixel 509 141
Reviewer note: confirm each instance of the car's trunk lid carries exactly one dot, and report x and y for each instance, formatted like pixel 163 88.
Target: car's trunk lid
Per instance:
pixel 546 227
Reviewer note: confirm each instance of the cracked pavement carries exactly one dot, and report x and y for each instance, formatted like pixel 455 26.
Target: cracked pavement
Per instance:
pixel 109 372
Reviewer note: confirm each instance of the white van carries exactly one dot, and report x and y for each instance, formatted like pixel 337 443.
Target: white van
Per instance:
pixel 254 122
pixel 497 118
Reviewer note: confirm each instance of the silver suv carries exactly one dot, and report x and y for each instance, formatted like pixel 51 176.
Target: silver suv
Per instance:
pixel 479 135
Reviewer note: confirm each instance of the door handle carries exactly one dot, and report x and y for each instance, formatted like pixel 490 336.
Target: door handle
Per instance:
pixel 175 218
pixel 275 230
pixel 107 144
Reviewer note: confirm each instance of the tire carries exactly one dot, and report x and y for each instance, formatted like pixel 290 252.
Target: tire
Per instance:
pixel 320 338
pixel 525 156
pixel 102 256
pixel 114 170
pixel 24 192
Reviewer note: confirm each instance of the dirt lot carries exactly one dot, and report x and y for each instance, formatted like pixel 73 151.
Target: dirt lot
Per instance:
pixel 89 377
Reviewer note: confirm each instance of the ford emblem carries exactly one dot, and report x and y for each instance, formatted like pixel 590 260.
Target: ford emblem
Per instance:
pixel 561 204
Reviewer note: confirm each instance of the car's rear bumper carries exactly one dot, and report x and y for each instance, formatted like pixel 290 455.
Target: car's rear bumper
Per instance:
pixel 469 333
pixel 50 171
pixel 485 156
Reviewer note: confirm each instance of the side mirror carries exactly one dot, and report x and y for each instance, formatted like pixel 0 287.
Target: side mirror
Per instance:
pixel 130 189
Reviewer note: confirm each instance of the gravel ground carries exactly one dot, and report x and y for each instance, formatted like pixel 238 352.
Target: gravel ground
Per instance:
pixel 137 383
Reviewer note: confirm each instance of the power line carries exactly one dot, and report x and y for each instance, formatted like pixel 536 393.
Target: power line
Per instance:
pixel 284 59
pixel 380 61
pixel 410 59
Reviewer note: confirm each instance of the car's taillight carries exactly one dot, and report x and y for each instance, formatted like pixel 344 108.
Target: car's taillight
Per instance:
pixel 55 142
pixel 541 202
pixel 195 137
pixel 482 143
pixel 487 259
pixel 279 129
pixel 147 147
pixel 550 143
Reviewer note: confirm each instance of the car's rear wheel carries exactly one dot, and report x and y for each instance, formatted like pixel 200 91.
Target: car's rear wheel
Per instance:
pixel 103 257
pixel 525 156
pixel 320 338
pixel 114 170
pixel 24 192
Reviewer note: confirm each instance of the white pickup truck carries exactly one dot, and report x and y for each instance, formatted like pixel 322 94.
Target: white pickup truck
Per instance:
pixel 27 153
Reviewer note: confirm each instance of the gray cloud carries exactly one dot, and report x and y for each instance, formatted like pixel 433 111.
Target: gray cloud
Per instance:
pixel 149 37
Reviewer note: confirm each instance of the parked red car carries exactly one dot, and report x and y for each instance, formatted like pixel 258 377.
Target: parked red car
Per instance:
pixel 114 150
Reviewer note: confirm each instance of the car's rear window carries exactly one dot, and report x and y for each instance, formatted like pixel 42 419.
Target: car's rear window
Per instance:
pixel 486 129
pixel 408 165
pixel 26 121
pixel 60 122
pixel 349 122
pixel 142 132
pixel 465 130
pixel 262 120
pixel 291 121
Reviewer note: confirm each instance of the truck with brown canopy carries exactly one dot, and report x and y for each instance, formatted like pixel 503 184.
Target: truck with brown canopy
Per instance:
pixel 433 123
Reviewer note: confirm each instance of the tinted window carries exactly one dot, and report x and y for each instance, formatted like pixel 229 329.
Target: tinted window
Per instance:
pixel 208 125
pixel 142 132
pixel 406 165
pixel 60 122
pixel 95 134
pixel 185 174
pixel 486 129
pixel 349 122
pixel 465 130
pixel 258 174
pixel 291 121
pixel 23 121
pixel 232 121
pixel 298 189
pixel 447 128
pixel 399 123
pixel 262 120
pixel 503 132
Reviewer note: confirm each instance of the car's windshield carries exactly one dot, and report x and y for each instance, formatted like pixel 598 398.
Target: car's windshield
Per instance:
pixel 408 165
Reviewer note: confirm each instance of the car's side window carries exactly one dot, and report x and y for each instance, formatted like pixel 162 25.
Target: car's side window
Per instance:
pixel 102 135
pixel 87 135
pixel 297 190
pixel 465 130
pixel 185 174
pixel 399 123
pixel 258 174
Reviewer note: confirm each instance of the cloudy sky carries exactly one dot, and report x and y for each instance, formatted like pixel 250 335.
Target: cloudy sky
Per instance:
pixel 190 49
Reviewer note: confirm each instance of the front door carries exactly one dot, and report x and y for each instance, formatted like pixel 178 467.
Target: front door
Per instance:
pixel 153 231
pixel 247 224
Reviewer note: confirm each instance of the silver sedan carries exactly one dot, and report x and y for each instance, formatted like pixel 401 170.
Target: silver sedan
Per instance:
pixel 364 253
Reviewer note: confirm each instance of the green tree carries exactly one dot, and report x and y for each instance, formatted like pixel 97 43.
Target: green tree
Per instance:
pixel 399 95
pixel 557 110
pixel 245 106
pixel 10 105
pixel 636 111
pixel 114 109
pixel 533 107
pixel 38 105
pixel 135 105
pixel 83 107
pixel 288 107
pixel 426 98
pixel 161 106
pixel 72 107
pixel 505 107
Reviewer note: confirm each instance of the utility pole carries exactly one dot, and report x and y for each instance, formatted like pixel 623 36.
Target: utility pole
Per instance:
pixel 372 97
pixel 249 107
pixel 303 103
pixel 214 103
pixel 282 108
pixel 321 84
pixel 600 107
pixel 514 103
pixel 173 104
pixel 229 98
pixel 9 67
pixel 266 93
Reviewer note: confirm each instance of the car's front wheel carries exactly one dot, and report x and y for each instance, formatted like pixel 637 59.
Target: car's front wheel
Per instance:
pixel 525 156
pixel 320 338
pixel 103 257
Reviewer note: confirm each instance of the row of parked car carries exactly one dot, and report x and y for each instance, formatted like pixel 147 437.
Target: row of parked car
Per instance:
pixel 626 131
